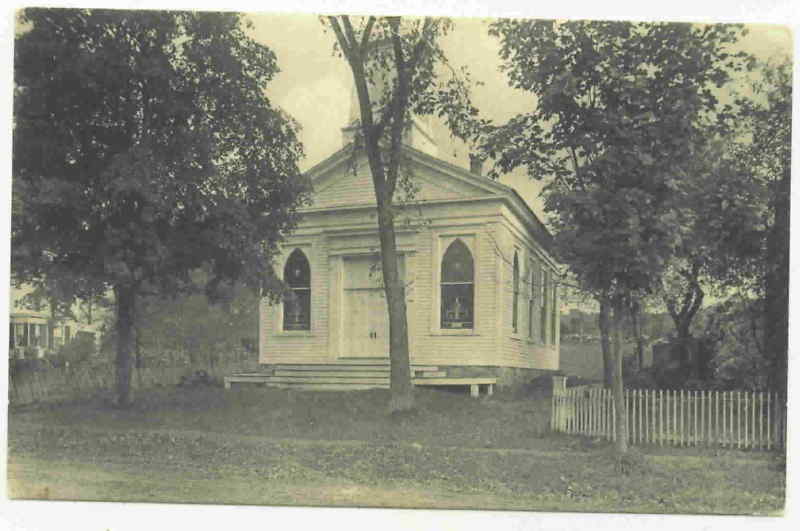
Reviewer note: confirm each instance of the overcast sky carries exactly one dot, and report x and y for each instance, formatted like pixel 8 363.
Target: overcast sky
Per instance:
pixel 315 86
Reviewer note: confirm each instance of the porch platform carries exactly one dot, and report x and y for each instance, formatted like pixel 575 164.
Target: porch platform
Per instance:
pixel 346 377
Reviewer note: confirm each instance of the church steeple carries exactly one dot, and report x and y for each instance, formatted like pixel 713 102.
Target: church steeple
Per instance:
pixel 419 135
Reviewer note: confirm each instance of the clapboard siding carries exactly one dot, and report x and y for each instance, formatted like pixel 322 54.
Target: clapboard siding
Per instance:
pixel 342 224
pixel 519 349
pixel 353 186
pixel 312 347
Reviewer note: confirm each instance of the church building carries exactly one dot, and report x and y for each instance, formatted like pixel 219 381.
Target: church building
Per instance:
pixel 477 264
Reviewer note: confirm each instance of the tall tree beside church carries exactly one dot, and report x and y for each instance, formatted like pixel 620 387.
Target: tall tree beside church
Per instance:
pixel 620 107
pixel 144 147
pixel 394 64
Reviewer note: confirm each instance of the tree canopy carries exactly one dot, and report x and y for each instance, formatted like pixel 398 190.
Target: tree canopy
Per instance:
pixel 144 147
pixel 623 111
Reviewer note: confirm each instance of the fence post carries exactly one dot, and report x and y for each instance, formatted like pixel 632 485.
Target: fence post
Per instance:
pixel 746 440
pixel 752 420
pixel 642 417
pixel 769 420
pixel 661 417
pixel 694 417
pixel 761 419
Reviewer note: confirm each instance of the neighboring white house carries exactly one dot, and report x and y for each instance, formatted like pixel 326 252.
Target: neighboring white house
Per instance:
pixel 480 278
pixel 34 334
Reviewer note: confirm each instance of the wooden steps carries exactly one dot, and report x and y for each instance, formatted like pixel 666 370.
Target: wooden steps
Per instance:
pixel 350 375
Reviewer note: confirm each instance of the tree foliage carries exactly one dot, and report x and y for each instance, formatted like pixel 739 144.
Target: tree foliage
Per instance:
pixel 144 147
pixel 622 112
pixel 745 216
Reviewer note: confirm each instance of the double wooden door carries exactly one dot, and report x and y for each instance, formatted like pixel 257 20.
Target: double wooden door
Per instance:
pixel 366 323
pixel 366 315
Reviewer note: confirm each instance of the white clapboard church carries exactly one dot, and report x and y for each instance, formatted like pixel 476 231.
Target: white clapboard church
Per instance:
pixel 480 281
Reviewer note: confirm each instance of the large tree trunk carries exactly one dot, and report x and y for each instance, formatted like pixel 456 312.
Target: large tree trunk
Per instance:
pixel 126 300
pixel 402 390
pixel 604 323
pixel 620 415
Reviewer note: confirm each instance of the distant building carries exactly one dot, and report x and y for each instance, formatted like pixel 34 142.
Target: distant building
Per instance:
pixel 35 334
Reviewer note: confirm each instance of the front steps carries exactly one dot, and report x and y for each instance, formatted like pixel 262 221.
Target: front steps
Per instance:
pixel 350 375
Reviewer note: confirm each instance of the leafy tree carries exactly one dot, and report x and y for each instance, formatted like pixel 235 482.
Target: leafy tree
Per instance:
pixel 746 211
pixel 394 64
pixel 622 109
pixel 144 147
pixel 201 333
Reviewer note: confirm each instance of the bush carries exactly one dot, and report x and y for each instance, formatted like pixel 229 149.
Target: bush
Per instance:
pixel 78 351
pixel 733 332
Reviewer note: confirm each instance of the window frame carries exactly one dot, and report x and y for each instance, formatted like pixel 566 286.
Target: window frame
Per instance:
pixel 532 264
pixel 280 327
pixel 441 243
pixel 515 274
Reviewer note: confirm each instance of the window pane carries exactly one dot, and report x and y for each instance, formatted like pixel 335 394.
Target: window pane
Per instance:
pixel 457 264
pixel 515 308
pixel 297 272
pixel 297 310
pixel 457 306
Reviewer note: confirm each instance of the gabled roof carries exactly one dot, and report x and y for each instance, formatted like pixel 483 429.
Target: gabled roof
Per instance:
pixel 482 186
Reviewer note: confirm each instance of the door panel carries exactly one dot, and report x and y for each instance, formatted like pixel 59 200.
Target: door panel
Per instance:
pixel 366 327
pixel 366 318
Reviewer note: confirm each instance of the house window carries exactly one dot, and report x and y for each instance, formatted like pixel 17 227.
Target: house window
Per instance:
pixel 457 282
pixel 297 302
pixel 556 314
pixel 545 283
pixel 22 334
pixel 531 296
pixel 515 287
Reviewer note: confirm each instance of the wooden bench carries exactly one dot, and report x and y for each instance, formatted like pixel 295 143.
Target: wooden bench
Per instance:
pixel 473 383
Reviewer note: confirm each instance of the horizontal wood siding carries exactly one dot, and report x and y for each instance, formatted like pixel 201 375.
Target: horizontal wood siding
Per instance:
pixel 430 346
pixel 277 346
pixel 333 234
pixel 348 187
pixel 518 349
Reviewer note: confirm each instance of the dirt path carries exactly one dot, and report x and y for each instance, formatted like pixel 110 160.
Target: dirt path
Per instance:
pixel 34 478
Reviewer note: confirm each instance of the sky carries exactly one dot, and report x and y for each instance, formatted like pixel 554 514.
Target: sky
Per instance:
pixel 315 86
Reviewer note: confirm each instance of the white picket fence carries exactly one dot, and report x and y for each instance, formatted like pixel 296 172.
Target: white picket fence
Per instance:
pixel 732 419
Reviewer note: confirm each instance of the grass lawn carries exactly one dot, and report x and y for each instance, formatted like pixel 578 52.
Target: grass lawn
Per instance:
pixel 269 446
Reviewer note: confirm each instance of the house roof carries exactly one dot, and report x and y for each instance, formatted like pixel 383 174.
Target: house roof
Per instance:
pixel 489 186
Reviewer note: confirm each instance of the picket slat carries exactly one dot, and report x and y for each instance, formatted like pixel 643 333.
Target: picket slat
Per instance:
pixel 732 419
pixel 769 423
pixel 661 417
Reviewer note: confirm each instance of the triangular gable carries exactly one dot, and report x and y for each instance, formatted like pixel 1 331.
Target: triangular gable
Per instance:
pixel 342 181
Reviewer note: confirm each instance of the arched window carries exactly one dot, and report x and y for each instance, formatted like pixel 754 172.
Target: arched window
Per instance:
pixel 545 304
pixel 297 303
pixel 515 287
pixel 531 296
pixel 458 273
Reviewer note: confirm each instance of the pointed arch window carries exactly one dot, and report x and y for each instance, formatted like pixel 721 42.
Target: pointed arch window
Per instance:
pixel 458 287
pixel 532 268
pixel 515 287
pixel 297 302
